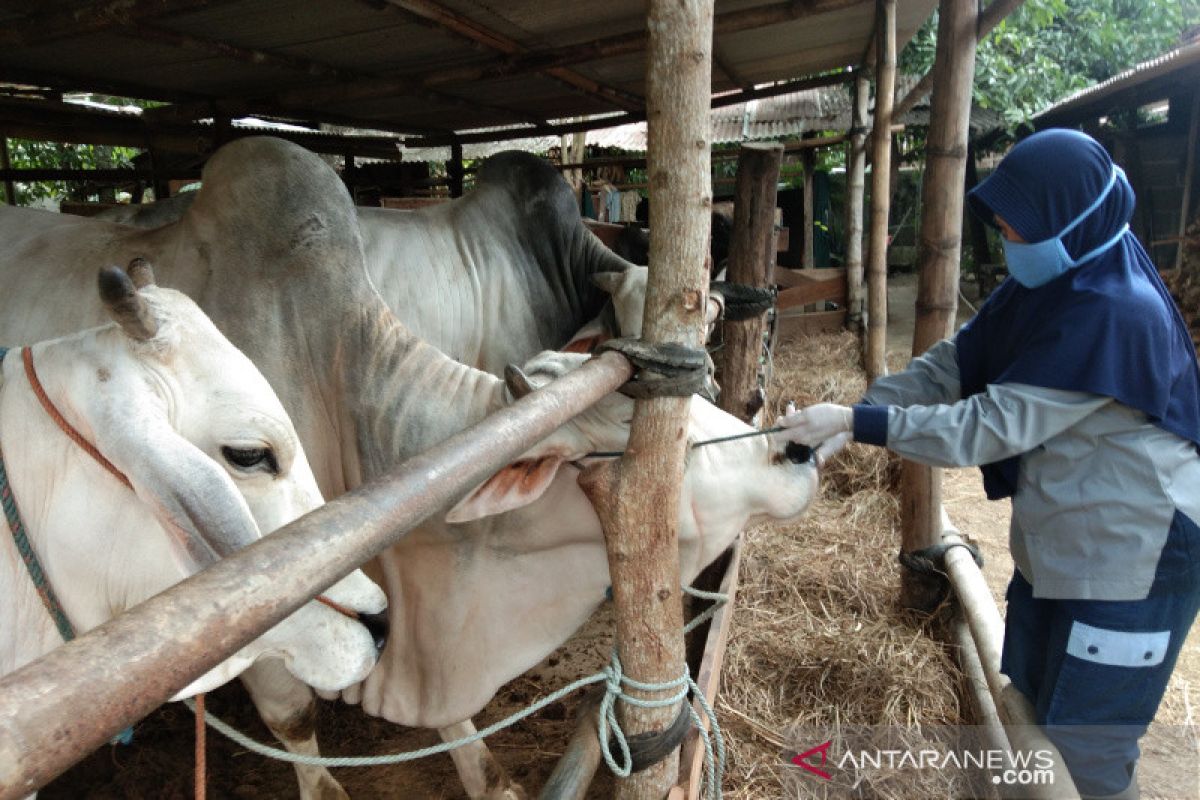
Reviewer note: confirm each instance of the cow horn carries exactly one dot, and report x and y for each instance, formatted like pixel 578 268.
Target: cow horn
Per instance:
pixel 139 269
pixel 128 308
pixel 517 382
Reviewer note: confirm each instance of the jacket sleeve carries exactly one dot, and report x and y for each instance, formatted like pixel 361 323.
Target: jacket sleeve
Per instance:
pixel 931 377
pixel 1007 420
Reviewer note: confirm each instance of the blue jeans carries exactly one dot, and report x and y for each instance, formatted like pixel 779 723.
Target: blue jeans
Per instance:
pixel 1096 670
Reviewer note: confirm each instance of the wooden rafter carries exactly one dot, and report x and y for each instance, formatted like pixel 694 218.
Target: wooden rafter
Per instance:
pixel 292 63
pixel 473 31
pixel 47 26
pixel 540 60
pixel 722 62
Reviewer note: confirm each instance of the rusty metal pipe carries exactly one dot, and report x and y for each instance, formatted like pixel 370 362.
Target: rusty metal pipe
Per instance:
pixel 56 710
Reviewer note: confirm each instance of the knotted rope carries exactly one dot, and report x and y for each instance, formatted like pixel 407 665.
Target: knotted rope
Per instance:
pixel 615 682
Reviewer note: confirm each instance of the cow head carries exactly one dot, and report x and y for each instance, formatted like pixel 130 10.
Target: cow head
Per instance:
pixel 726 485
pixel 209 450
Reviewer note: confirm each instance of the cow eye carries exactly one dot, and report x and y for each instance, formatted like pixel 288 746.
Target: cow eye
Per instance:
pixel 251 458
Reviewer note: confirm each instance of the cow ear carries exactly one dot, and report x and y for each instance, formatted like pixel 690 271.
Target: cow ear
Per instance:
pixel 608 281
pixel 517 485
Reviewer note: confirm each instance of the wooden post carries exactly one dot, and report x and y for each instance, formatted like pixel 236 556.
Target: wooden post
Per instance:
pixel 162 188
pixel 881 160
pixel 856 167
pixel 982 252
pixel 1189 175
pixel 751 262
pixel 809 158
pixel 939 247
pixel 10 190
pixel 454 169
pixel 637 497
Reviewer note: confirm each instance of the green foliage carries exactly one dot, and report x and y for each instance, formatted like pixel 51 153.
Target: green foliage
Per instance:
pixel 28 154
pixel 1047 49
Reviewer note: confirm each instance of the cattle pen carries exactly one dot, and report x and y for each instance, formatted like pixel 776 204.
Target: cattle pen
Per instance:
pixel 69 703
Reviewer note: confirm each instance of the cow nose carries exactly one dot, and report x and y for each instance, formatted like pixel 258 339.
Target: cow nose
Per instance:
pixel 377 626
pixel 798 453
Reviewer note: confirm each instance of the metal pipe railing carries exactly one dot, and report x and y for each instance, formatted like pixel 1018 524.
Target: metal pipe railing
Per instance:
pixel 56 710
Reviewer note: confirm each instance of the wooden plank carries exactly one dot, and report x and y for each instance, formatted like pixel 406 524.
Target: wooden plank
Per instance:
pixel 82 209
pixel 787 278
pixel 708 679
pixel 807 324
pixel 833 289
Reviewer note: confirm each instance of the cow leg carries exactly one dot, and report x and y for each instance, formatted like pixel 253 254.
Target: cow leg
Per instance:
pixel 481 775
pixel 290 711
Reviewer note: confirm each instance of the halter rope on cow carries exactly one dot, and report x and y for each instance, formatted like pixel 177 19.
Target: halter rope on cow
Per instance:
pixel 613 679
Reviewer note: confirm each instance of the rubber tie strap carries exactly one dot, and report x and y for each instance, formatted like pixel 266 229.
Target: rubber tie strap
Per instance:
pixel 743 301
pixel 932 560
pixel 664 370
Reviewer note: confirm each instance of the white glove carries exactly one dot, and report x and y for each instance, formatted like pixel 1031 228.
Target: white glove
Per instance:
pixel 815 425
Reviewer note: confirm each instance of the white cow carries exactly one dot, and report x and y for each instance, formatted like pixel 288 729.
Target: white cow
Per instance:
pixel 270 248
pixel 212 458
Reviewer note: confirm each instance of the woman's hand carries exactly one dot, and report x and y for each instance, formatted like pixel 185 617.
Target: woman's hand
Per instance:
pixel 816 425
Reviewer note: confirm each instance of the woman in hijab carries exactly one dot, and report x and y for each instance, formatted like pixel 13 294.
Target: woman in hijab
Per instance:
pixel 1076 390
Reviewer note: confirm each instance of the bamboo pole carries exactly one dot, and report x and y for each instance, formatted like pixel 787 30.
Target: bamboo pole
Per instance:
pixel 856 167
pixel 881 159
pixel 809 159
pixel 637 497
pixel 938 253
pixel 1189 174
pixel 751 262
pixel 987 631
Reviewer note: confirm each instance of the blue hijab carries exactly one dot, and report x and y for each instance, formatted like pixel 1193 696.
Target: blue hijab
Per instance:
pixel 1107 327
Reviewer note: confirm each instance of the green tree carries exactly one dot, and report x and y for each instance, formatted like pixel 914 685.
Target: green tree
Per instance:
pixel 1047 49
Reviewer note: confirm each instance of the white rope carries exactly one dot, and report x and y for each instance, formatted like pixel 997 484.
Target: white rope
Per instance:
pixel 613 679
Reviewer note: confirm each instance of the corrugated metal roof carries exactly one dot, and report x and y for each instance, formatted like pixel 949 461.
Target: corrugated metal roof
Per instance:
pixel 426 67
pixel 1095 99
pixel 789 115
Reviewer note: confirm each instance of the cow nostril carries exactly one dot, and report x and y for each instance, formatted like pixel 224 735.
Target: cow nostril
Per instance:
pixel 377 626
pixel 798 453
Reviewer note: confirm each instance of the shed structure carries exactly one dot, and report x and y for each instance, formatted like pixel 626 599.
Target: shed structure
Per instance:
pixel 1147 117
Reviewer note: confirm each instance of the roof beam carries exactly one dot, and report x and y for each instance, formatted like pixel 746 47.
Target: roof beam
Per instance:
pixel 37 29
pixel 473 31
pixel 203 108
pixel 722 62
pixel 541 60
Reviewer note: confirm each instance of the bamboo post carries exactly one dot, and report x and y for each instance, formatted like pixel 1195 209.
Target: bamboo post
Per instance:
pixel 856 167
pixel 10 191
pixel 881 159
pixel 637 497
pixel 938 253
pixel 751 262
pixel 809 159
pixel 1189 174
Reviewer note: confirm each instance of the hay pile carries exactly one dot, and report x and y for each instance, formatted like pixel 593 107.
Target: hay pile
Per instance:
pixel 1184 282
pixel 818 640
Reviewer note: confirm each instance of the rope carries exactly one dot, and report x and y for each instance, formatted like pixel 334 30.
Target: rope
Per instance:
pixel 201 751
pixel 75 436
pixel 611 676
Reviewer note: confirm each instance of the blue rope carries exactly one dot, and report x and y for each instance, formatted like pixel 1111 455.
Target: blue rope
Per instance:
pixel 33 565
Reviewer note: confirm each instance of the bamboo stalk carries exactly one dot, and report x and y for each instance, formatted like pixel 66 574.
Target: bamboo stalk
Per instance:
pixel 881 146
pixel 856 167
pixel 637 497
pixel 938 253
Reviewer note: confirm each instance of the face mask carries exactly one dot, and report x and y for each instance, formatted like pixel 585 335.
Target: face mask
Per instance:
pixel 1032 265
